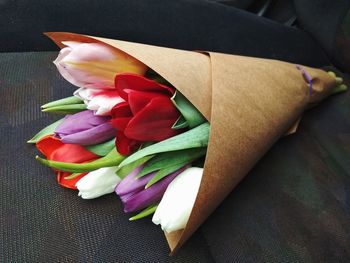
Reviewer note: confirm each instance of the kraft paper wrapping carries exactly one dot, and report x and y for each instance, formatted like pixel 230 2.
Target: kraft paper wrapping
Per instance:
pixel 249 102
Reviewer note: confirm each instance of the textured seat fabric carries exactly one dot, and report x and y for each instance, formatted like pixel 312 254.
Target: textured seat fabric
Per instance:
pixel 293 207
pixel 42 222
pixel 329 23
pixel 185 24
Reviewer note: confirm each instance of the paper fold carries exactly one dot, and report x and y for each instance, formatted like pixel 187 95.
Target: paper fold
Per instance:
pixel 250 103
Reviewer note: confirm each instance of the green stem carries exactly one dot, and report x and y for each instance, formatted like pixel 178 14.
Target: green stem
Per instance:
pixel 111 159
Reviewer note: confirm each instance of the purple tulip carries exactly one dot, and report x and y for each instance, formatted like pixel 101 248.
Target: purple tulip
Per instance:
pixel 132 183
pixel 133 194
pixel 85 128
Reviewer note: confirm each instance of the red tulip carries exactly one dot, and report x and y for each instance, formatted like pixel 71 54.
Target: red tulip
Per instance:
pixel 56 150
pixel 147 115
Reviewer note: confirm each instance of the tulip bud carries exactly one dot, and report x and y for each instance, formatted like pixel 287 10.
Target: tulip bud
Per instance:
pixel 98 183
pixel 132 190
pixel 85 128
pixel 94 65
pixel 148 114
pixel 176 205
pixel 55 150
pixel 100 101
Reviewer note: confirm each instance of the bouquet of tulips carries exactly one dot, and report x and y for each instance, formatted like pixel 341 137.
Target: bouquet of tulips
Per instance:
pixel 171 132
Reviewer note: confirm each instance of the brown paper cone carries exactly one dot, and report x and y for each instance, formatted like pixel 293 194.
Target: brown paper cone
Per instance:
pixel 250 103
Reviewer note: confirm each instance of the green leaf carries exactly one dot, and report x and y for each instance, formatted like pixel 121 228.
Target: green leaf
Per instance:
pixel 169 159
pixel 111 159
pixel 66 109
pixel 339 89
pixel 102 149
pixel 125 170
pixel 340 86
pixel 46 131
pixel 192 116
pixel 180 123
pixel 146 212
pixel 164 172
pixel 194 138
pixel 65 101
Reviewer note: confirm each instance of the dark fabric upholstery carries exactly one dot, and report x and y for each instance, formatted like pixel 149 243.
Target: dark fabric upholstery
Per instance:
pixel 42 222
pixel 294 206
pixel 329 23
pixel 186 24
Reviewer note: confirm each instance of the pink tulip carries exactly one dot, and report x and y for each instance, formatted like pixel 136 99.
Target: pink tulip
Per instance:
pixel 94 65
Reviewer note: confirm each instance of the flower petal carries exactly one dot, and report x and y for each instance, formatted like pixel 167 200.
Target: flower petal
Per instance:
pixel 62 69
pixel 100 101
pixel 127 81
pixel 97 183
pixel 102 105
pixel 139 99
pixel 80 121
pixel 48 144
pixel 150 195
pixel 95 64
pixel 131 183
pixel 154 122
pixel 68 183
pixel 95 135
pixel 124 144
pixel 85 94
pixel 72 153
pixel 121 115
pixel 176 205
pixel 56 150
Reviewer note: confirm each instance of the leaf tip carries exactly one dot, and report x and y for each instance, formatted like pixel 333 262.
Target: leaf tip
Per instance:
pixel 331 73
pixel 41 160
pixel 339 89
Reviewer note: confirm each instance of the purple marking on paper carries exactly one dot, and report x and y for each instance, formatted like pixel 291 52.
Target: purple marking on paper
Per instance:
pixel 306 76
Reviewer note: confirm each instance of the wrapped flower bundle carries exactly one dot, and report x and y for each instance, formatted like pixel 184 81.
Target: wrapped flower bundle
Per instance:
pixel 171 132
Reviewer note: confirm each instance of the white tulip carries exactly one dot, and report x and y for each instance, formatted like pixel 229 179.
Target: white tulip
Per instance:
pixel 98 183
pixel 100 101
pixel 176 205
